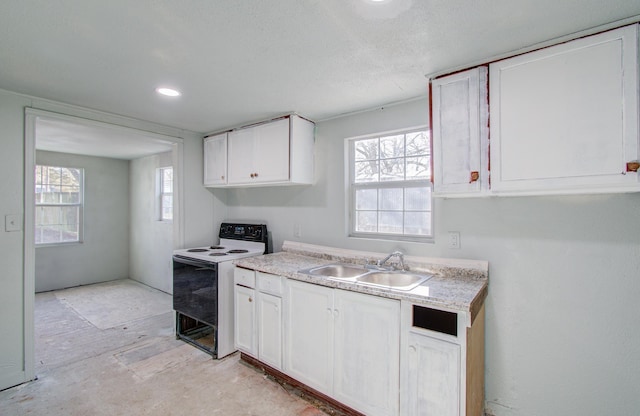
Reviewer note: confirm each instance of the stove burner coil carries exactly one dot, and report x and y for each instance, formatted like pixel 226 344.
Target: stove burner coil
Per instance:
pixel 216 247
pixel 238 251
pixel 217 254
pixel 197 250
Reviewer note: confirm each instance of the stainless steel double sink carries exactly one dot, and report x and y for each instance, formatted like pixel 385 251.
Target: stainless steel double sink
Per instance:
pixel 397 279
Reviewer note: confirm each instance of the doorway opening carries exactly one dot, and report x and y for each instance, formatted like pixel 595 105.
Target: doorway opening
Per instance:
pixel 120 235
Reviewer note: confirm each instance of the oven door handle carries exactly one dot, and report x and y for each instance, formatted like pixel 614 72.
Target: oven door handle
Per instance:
pixel 204 268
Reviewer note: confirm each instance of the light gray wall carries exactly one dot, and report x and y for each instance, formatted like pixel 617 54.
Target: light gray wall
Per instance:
pixel 197 225
pixel 151 239
pixel 104 253
pixel 12 370
pixel 562 314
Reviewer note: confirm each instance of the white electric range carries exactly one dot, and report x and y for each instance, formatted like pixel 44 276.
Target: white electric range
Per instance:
pixel 203 286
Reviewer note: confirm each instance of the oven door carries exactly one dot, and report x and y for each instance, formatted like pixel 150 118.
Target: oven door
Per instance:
pixel 195 289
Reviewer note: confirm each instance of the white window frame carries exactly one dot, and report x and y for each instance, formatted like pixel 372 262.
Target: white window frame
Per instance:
pixel 161 193
pixel 352 187
pixel 79 205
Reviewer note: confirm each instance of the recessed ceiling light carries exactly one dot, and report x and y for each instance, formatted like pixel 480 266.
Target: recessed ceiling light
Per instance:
pixel 169 92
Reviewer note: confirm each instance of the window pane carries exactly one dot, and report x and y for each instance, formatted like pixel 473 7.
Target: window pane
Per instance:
pixel 69 215
pixel 47 234
pixel 392 169
pixel 366 221
pixel 390 222
pixel 70 195
pixel 417 143
pixel 70 176
pixel 167 207
pixel 167 180
pixel 417 223
pixel 392 146
pixel 391 199
pixel 366 171
pixel 52 175
pixel 417 199
pixel 366 149
pixel 47 215
pixel 418 168
pixel 367 199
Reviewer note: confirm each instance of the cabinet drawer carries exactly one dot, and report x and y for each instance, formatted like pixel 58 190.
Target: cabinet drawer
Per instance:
pixel 244 277
pixel 269 283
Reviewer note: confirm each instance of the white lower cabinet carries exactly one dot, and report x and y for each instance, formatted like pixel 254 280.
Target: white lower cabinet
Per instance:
pixel 344 344
pixel 375 355
pixel 270 330
pixel 367 352
pixel 433 385
pixel 309 328
pixel 258 321
pixel 442 362
pixel 245 319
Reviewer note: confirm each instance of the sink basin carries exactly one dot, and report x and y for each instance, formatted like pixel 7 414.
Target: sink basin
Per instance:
pixel 338 271
pixel 394 280
pixel 397 280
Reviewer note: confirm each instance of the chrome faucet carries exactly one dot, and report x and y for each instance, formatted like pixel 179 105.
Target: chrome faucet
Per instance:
pixel 379 265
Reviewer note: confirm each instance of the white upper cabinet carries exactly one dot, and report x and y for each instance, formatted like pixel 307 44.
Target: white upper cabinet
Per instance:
pixel 215 160
pixel 564 119
pixel 460 133
pixel 277 152
pixel 259 154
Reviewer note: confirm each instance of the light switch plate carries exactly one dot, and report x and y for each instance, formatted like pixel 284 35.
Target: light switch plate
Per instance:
pixel 12 222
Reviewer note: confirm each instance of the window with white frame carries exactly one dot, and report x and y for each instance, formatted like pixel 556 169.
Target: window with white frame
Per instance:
pixel 390 186
pixel 59 204
pixel 165 193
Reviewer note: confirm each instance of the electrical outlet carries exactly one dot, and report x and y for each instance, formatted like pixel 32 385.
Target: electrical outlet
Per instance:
pixel 296 231
pixel 454 239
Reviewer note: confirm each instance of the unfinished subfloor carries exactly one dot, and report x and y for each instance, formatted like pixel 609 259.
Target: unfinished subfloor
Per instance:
pixel 109 349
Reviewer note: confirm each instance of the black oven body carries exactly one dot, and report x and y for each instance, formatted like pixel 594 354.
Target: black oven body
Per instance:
pixel 195 299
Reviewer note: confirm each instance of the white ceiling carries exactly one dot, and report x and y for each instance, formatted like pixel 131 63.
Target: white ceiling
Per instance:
pixel 96 139
pixel 239 61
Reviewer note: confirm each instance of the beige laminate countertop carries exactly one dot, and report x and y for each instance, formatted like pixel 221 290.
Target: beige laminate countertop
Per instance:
pixel 455 285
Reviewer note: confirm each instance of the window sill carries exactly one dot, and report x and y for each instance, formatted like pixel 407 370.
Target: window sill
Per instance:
pixel 66 243
pixel 391 237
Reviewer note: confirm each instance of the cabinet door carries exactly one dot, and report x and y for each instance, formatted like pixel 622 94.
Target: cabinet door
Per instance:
pixel 270 330
pixel 245 320
pixel 309 335
pixel 240 156
pixel 433 388
pixel 215 160
pixel 367 352
pixel 271 152
pixel 460 117
pixel 565 118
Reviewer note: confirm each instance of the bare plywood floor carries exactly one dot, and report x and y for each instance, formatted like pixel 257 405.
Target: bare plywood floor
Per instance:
pixel 109 349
